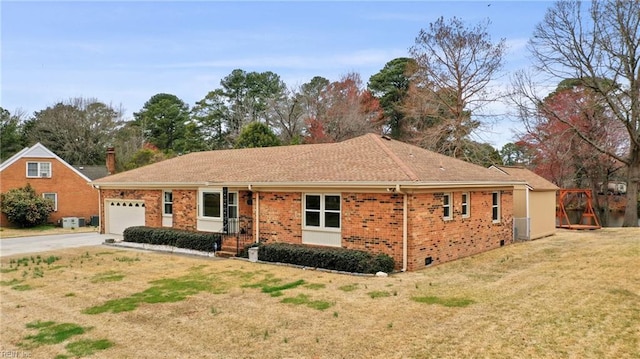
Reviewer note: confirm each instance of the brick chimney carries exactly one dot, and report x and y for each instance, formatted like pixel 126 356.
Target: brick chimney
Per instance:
pixel 111 160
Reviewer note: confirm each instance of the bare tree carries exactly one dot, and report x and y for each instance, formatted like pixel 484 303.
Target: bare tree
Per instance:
pixel 78 130
pixel 456 64
pixel 287 116
pixel 600 46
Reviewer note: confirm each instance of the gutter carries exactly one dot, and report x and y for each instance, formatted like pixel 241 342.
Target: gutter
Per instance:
pixel 426 185
pixel 405 225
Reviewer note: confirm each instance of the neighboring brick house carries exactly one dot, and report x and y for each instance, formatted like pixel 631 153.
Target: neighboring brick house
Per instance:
pixel 369 193
pixel 54 178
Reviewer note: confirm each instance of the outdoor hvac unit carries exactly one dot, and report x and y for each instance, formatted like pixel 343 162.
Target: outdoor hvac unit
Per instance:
pixel 70 222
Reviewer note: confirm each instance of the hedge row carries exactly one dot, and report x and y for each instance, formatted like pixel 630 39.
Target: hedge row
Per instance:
pixel 340 259
pixel 200 241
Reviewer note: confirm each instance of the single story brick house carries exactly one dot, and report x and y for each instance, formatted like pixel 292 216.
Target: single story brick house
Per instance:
pixel 52 177
pixel 534 203
pixel 370 193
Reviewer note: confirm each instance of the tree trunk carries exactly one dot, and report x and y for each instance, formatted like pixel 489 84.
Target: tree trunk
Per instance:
pixel 631 211
pixel 601 203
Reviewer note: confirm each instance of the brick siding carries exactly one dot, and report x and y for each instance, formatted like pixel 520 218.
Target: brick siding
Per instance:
pixel 280 217
pixel 369 221
pixel 373 222
pixel 430 236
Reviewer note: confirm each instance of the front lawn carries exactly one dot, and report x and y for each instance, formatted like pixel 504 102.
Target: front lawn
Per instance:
pixel 45 229
pixel 575 294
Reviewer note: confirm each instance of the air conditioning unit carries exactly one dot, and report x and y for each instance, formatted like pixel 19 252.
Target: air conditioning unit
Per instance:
pixel 44 174
pixel 70 222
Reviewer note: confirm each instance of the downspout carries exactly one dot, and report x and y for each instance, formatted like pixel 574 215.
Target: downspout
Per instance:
pixel 527 212
pixel 257 220
pixel 101 229
pixel 405 217
pixel 100 215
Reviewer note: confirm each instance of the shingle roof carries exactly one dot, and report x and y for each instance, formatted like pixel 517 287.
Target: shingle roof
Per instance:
pixel 533 180
pixel 93 172
pixel 368 159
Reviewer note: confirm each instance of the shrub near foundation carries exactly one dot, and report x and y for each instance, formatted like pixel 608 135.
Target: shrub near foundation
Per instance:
pixel 200 241
pixel 340 259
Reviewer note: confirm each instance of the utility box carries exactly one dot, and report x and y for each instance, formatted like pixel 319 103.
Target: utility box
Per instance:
pixel 95 221
pixel 253 254
pixel 81 222
pixel 70 222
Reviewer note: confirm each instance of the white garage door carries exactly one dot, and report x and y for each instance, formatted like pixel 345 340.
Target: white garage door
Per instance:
pixel 122 214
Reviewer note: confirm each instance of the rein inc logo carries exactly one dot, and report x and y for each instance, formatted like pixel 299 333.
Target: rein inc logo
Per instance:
pixel 14 354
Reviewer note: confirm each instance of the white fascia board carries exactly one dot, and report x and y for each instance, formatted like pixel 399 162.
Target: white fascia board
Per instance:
pixel 304 185
pixel 40 151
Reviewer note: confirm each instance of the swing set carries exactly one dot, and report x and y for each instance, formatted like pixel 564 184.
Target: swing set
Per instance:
pixel 572 200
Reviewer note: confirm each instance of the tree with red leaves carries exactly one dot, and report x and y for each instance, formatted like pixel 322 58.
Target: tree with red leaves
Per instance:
pixel 347 111
pixel 560 154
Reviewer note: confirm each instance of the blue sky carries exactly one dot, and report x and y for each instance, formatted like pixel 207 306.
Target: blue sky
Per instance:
pixel 124 52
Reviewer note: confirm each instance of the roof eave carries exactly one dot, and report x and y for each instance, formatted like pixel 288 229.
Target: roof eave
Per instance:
pixel 303 185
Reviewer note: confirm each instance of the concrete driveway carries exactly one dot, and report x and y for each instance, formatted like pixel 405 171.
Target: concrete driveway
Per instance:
pixel 20 245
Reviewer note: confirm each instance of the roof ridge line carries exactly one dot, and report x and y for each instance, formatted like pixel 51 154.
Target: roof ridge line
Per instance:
pixel 396 159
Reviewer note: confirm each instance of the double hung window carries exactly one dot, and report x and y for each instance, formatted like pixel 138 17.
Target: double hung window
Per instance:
pixel 39 169
pixel 322 211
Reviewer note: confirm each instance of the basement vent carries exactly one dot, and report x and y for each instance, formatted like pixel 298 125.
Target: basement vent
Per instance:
pixel 501 242
pixel 428 261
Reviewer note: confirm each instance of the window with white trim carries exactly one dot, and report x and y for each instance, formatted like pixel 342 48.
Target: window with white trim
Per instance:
pixel 211 204
pixel 53 197
pixel 495 207
pixel 167 203
pixel 446 207
pixel 464 207
pixel 39 169
pixel 322 211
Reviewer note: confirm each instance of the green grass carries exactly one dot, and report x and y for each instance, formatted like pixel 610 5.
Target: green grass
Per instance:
pixel 51 259
pixel 8 270
pixel 126 259
pixel 86 347
pixel 349 287
pixel 22 287
pixel 279 288
pixel 38 272
pixel 315 286
pixel 50 333
pixel 162 291
pixel 109 276
pixel 14 281
pixel 447 302
pixel 379 294
pixel 271 286
pixel 40 228
pixel 302 299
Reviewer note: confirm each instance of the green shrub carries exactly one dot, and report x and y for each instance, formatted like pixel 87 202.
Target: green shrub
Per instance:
pixel 341 259
pixel 201 241
pixel 139 234
pixel 24 208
